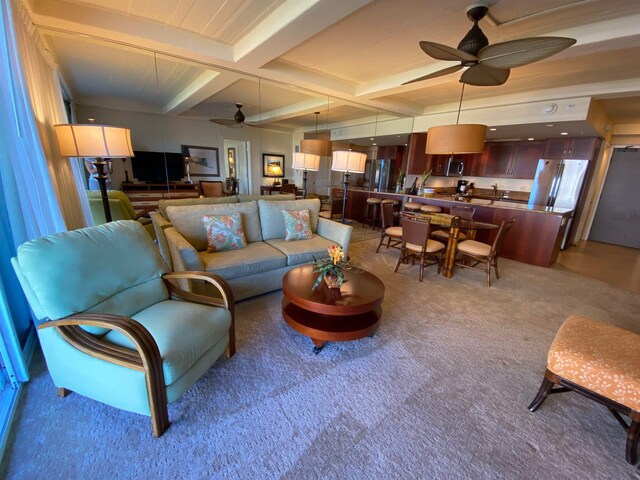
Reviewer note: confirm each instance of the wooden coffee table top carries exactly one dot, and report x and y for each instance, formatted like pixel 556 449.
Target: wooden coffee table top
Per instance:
pixel 361 292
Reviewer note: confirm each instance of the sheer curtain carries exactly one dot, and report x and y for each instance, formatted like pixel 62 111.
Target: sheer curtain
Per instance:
pixel 39 192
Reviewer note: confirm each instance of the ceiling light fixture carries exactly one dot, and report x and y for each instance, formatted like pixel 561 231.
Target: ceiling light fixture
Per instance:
pixel 564 133
pixel 316 146
pixel 458 138
pixel 493 129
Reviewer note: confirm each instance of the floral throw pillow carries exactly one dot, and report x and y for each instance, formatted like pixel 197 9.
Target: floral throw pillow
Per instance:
pixel 224 232
pixel 297 225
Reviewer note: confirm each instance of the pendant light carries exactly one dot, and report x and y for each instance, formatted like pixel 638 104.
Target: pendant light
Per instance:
pixel 316 146
pixel 458 138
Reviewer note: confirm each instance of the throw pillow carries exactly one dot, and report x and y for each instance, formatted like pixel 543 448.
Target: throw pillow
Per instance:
pixel 224 232
pixel 296 225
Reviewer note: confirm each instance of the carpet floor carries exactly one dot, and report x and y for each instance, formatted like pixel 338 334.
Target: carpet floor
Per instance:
pixel 441 391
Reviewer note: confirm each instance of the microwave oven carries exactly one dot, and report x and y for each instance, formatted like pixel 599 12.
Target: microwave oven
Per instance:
pixel 455 168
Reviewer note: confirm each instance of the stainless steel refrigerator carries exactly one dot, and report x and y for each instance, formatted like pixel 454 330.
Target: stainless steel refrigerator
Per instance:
pixel 558 184
pixel 378 174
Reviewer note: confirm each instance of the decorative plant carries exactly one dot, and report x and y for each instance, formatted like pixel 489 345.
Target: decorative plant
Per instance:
pixel 400 176
pixel 425 175
pixel 334 266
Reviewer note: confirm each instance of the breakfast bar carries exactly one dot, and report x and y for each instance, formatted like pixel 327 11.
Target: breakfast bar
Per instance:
pixel 535 238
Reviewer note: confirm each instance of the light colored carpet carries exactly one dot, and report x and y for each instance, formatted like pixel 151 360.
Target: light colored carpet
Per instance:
pixel 441 391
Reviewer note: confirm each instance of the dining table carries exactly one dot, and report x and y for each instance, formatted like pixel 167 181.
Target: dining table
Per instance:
pixel 455 224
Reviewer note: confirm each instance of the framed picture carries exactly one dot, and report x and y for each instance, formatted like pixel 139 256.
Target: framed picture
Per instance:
pixel 203 161
pixel 231 161
pixel 269 163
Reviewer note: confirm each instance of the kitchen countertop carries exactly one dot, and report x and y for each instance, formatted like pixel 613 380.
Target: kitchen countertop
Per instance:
pixel 502 203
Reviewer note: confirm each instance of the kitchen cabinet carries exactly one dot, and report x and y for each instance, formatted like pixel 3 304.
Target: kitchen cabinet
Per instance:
pixel 437 164
pixel 416 157
pixel 511 159
pixel 579 148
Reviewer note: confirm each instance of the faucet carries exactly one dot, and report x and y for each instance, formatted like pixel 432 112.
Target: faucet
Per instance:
pixel 495 189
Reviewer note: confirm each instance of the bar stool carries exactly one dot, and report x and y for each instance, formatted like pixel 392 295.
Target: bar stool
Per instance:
pixel 373 203
pixel 430 209
pixel 392 202
pixel 412 207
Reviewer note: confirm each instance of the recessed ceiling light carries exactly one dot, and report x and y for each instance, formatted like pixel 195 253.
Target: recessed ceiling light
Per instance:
pixel 564 133
pixel 374 144
pixel 493 129
pixel 405 144
pixel 530 138
pixel 371 138
pixel 397 136
pixel 550 125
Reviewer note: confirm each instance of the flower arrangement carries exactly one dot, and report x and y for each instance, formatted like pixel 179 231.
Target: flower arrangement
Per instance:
pixel 332 267
pixel 400 176
pixel 425 175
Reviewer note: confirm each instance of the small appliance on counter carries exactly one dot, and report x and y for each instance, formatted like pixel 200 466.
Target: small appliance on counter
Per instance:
pixel 462 186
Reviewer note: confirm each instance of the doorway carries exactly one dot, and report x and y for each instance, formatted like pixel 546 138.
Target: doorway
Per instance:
pixel 236 154
pixel 617 219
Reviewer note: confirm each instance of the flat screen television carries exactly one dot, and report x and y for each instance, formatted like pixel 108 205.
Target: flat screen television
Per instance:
pixel 157 167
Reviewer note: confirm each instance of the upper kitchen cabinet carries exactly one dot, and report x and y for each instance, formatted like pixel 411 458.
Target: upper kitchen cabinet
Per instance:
pixel 416 156
pixel 511 159
pixel 578 148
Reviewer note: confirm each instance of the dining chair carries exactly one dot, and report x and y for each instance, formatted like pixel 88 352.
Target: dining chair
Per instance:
pixel 474 253
pixel 288 188
pixel 388 231
pixel 335 208
pixel 417 245
pixel 465 213
pixel 211 189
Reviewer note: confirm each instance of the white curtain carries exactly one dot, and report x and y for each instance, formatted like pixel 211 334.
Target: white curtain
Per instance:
pixel 36 102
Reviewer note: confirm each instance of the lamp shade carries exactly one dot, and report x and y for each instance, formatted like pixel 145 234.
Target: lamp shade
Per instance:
pixel 462 138
pixel 274 169
pixel 306 161
pixel 75 140
pixel 316 147
pixel 348 161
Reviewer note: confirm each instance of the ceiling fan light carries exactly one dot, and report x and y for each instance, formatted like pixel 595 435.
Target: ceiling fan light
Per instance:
pixel 461 138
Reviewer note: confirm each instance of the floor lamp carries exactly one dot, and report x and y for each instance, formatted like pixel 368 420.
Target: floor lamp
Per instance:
pixel 305 162
pixel 347 162
pixel 97 142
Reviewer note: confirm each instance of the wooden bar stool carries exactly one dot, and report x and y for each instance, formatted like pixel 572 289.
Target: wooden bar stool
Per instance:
pixel 372 208
pixel 430 209
pixel 412 207
pixel 601 362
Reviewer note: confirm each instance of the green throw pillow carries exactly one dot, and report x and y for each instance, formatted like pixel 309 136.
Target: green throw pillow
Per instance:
pixel 224 232
pixel 297 225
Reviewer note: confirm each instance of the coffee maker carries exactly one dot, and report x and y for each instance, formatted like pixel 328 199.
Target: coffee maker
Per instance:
pixel 462 186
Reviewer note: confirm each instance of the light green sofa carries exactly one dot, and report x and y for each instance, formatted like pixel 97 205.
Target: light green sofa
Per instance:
pixel 121 209
pixel 259 267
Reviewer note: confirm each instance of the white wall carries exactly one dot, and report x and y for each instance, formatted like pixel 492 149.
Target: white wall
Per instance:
pixel 163 133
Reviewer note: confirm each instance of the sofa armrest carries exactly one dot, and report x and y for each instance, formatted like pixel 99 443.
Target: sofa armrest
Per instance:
pixel 160 224
pixel 183 255
pixel 336 232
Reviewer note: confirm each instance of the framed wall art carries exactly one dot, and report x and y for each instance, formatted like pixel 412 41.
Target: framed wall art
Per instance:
pixel 270 162
pixel 203 161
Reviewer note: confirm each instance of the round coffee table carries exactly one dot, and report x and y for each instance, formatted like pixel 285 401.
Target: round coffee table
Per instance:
pixel 336 315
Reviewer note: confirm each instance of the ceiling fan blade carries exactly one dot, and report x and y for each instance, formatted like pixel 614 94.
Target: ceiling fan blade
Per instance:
pixel 483 76
pixel 444 52
pixel 439 73
pixel 227 122
pixel 523 51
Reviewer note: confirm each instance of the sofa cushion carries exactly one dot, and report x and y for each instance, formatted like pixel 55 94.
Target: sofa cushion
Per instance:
pixel 256 258
pixel 224 232
pixel 296 225
pixel 183 331
pixel 183 202
pixel 302 251
pixel 271 216
pixel 188 221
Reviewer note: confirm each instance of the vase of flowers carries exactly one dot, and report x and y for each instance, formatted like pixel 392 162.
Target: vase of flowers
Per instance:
pixel 331 270
pixel 423 180
pixel 400 180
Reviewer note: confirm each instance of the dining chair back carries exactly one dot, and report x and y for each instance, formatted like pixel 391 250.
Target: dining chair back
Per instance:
pixel 466 213
pixel 211 189
pixel 416 244
pixel 388 231
pixel 416 232
pixel 288 188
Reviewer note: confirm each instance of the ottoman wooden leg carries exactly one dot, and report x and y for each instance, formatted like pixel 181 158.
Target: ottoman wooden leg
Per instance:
pixel 549 380
pixel 633 434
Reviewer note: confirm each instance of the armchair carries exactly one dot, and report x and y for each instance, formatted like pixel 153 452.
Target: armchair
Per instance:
pixel 121 209
pixel 113 326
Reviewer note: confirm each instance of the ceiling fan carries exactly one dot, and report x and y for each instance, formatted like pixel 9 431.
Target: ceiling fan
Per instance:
pixel 489 65
pixel 236 122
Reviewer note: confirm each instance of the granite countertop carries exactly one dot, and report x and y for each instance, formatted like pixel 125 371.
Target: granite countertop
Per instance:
pixel 501 203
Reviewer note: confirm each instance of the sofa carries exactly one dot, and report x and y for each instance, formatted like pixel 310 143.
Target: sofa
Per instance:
pixel 258 268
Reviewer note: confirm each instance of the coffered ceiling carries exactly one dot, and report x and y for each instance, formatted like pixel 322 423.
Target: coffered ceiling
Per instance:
pixel 286 59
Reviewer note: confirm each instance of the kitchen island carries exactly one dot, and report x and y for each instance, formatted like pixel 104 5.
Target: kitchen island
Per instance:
pixel 534 239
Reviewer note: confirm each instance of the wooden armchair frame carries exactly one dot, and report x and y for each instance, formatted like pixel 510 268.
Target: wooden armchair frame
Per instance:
pixel 146 356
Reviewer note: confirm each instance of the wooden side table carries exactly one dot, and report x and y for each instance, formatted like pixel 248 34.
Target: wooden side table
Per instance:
pixel 329 315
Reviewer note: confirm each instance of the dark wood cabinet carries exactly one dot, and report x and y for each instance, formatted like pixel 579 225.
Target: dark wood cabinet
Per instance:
pixel 437 164
pixel 416 157
pixel 496 159
pixel 511 159
pixel 525 161
pixel 577 148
